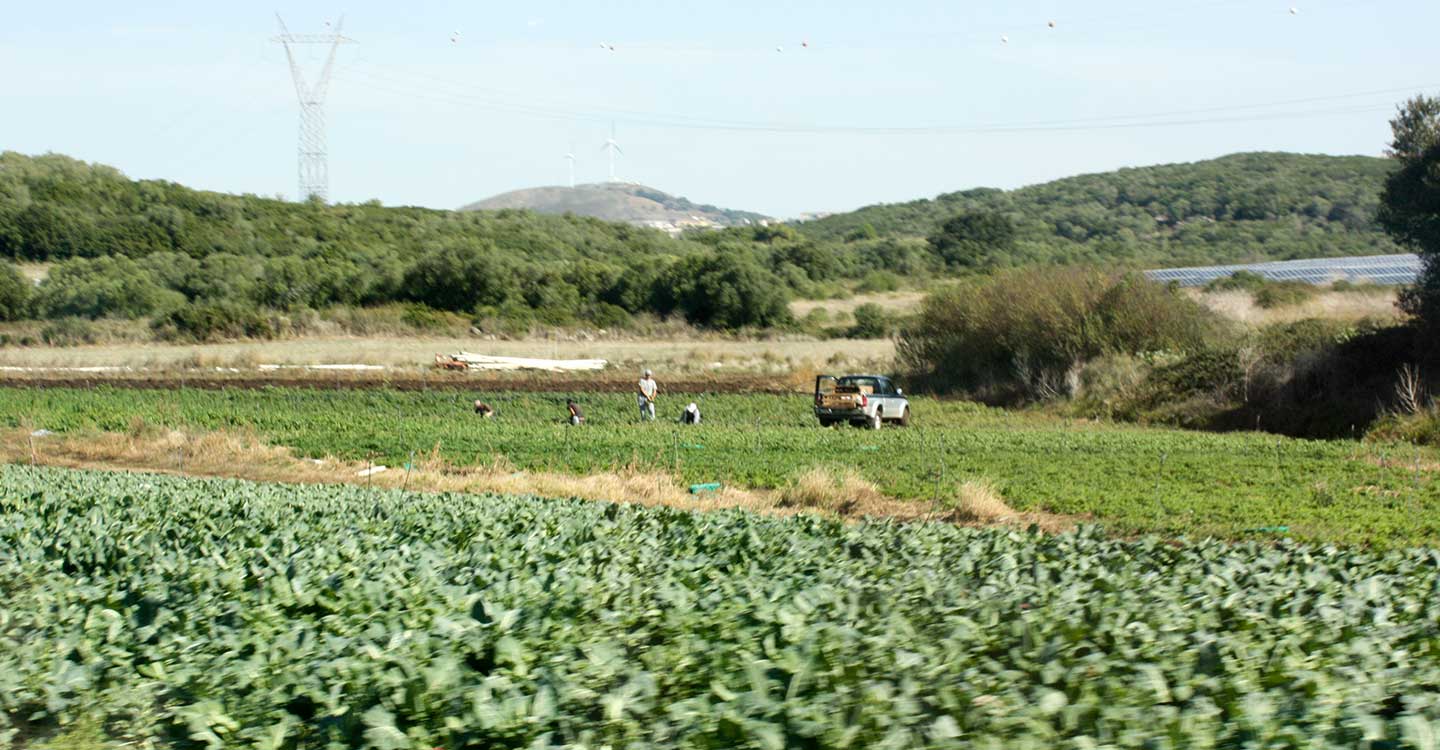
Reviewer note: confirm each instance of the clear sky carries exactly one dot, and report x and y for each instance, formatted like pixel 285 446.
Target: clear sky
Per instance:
pixel 775 107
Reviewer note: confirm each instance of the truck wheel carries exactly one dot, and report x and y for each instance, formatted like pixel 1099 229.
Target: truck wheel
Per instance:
pixel 876 420
pixel 827 423
pixel 905 417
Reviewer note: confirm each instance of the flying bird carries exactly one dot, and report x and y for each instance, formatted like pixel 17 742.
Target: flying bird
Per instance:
pixel 1004 39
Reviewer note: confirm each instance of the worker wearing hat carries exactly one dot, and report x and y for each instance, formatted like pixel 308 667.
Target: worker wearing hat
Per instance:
pixel 646 396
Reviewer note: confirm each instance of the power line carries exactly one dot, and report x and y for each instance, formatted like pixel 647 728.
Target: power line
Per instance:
pixel 446 93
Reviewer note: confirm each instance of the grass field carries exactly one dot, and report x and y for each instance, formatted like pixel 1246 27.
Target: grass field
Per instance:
pixel 1127 478
pixel 150 611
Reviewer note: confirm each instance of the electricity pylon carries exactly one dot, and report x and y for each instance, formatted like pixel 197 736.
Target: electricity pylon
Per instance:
pixel 314 166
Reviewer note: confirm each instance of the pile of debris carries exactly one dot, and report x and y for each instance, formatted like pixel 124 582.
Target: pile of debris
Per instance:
pixel 469 361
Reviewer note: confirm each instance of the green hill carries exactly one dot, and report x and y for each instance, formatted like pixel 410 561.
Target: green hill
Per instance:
pixel 1244 207
pixel 126 248
pixel 208 261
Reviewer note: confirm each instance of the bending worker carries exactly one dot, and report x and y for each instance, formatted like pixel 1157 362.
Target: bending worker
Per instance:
pixel 646 396
pixel 691 415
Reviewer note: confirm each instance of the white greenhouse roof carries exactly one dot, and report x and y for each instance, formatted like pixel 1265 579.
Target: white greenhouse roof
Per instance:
pixel 1374 269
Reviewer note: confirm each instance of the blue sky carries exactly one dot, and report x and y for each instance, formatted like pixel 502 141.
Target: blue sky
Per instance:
pixel 888 102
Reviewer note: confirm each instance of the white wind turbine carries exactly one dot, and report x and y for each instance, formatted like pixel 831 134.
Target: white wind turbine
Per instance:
pixel 570 157
pixel 613 148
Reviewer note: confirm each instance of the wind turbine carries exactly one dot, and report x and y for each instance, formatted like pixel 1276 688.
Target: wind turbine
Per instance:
pixel 613 148
pixel 570 157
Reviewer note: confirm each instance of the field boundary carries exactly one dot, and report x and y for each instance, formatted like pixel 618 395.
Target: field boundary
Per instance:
pixel 436 382
pixel 242 455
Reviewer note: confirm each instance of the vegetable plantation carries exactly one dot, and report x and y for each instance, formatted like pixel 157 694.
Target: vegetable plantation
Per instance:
pixel 177 612
pixel 1129 479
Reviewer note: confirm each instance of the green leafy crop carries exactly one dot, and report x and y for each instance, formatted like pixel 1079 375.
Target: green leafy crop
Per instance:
pixel 190 613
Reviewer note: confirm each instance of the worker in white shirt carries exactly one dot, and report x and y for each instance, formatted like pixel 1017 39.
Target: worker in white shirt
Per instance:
pixel 646 396
pixel 691 415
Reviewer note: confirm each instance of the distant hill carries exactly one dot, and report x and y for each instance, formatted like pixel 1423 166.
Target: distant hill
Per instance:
pixel 619 201
pixel 1243 207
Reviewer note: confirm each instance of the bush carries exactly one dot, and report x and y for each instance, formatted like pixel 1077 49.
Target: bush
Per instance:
pixel 1244 281
pixel 606 315
pixel 1421 428
pixel 108 287
pixel 69 332
pixel 729 291
pixel 878 281
pixel 974 238
pixel 14 293
pixel 1021 333
pixel 211 322
pixel 1285 294
pixel 871 322
pixel 429 320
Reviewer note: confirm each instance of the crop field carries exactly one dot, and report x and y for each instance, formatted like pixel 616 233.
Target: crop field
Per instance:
pixel 1128 479
pixel 156 610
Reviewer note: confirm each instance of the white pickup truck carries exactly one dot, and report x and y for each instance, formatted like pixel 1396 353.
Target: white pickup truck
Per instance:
pixel 862 400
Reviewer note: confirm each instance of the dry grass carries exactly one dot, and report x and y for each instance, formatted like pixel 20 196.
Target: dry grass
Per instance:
pixel 243 455
pixel 977 501
pixel 665 356
pixel 892 302
pixel 1240 305
pixel 841 491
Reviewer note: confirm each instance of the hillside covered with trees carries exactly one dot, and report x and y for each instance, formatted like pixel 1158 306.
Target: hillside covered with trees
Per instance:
pixel 125 248
pixel 1239 208
pixel 213 265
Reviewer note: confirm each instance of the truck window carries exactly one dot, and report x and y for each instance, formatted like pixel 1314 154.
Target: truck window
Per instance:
pixel 863 385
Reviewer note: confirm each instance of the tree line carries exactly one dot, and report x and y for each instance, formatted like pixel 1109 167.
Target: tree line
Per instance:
pixel 208 262
pixel 124 248
pixel 1240 208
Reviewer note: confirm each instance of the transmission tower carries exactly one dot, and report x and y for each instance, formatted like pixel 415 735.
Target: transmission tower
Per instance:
pixel 314 167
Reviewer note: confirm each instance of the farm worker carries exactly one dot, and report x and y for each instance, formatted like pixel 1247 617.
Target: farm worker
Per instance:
pixel 484 409
pixel 646 396
pixel 576 416
pixel 691 415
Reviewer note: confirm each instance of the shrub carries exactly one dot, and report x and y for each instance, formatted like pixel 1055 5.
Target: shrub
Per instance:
pixel 973 238
pixel 69 332
pixel 815 319
pixel 871 322
pixel 878 281
pixel 729 291
pixel 1285 294
pixel 606 315
pixel 14 293
pixel 212 322
pixel 427 319
pixel 110 286
pixel 1246 281
pixel 1021 333
pixel 1420 428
